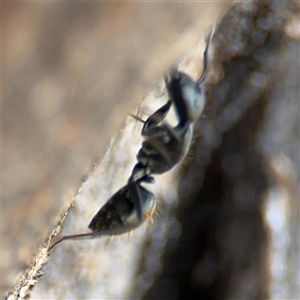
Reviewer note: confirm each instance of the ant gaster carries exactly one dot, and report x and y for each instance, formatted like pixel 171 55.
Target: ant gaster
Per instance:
pixel 163 148
pixel 126 210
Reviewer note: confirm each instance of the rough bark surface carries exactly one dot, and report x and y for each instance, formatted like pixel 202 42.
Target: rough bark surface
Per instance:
pixel 212 238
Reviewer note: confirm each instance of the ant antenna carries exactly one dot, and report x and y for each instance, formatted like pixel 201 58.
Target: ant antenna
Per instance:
pixel 204 72
pixel 137 118
pixel 69 237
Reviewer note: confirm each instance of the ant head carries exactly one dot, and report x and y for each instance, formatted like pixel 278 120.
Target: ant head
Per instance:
pixel 186 94
pixel 187 97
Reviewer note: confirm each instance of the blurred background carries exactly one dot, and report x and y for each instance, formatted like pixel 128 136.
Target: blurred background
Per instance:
pixel 71 73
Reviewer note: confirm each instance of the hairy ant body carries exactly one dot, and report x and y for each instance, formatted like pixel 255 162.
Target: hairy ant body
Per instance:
pixel 162 149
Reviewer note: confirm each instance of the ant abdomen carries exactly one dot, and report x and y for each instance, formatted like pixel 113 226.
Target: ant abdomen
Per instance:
pixel 126 210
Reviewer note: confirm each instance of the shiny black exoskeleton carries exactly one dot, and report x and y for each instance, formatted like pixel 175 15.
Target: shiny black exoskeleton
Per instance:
pixel 163 148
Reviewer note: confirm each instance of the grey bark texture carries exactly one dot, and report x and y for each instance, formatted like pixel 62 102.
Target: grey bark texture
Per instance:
pixel 71 74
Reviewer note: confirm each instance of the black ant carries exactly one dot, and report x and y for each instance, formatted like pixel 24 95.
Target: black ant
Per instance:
pixel 163 148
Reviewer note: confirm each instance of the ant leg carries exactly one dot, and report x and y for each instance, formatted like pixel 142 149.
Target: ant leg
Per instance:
pixel 143 199
pixel 137 118
pixel 156 117
pixel 138 176
pixel 139 171
pixel 205 64
pixel 69 237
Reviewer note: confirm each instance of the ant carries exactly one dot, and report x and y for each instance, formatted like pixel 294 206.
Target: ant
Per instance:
pixel 162 149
